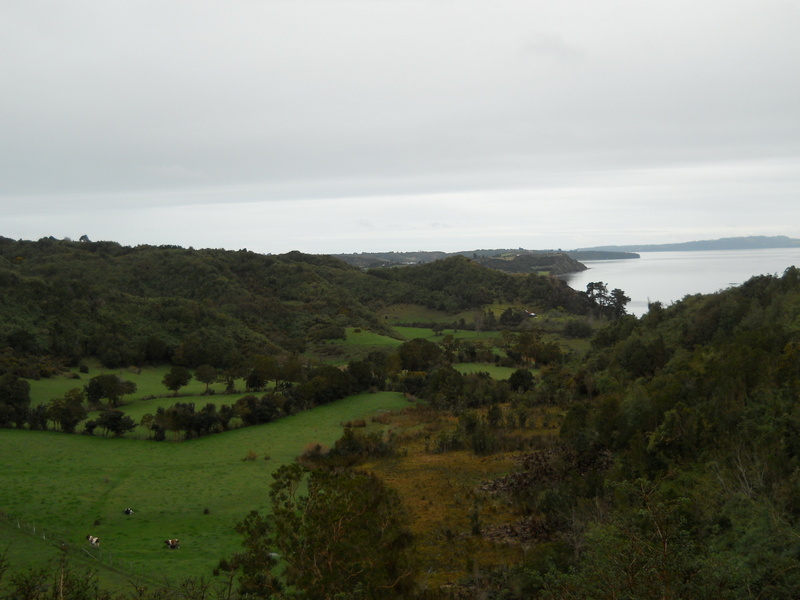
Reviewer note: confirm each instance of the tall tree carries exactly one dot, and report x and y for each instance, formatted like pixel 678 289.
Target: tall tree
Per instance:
pixel 618 302
pixel 15 400
pixel 206 374
pixel 348 531
pixel 420 354
pixel 110 386
pixel 115 421
pixel 258 559
pixel 176 378
pixel 597 291
pixel 68 410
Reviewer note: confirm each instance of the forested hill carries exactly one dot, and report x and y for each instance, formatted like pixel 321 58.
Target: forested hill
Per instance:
pixel 734 243
pixel 132 305
pixel 686 451
pixel 509 260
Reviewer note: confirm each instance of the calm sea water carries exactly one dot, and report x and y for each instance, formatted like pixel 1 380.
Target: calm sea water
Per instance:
pixel 669 276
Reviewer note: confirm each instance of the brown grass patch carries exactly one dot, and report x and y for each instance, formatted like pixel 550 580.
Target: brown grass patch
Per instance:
pixel 314 449
pixel 441 493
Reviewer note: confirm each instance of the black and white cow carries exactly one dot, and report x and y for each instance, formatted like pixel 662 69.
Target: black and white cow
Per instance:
pixel 172 544
pixel 128 511
pixel 93 540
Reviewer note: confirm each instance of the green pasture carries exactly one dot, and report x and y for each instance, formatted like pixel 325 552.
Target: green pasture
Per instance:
pixel 27 547
pixel 194 491
pixel 410 313
pixel 30 549
pixel 357 344
pixel 410 333
pixel 147 380
pixel 360 342
pixel 150 393
pixel 577 346
pixel 494 371
pixel 356 336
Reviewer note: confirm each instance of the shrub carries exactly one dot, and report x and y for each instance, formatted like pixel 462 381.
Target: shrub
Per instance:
pixel 577 328
pixel 383 418
pixel 315 450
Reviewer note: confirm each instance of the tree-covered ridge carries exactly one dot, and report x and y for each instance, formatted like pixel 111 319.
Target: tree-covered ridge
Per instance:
pixel 458 283
pixel 132 305
pixel 508 260
pixel 695 409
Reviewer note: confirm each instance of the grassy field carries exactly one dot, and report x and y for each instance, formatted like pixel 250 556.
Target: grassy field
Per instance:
pixel 409 313
pixel 362 337
pixel 149 396
pixel 360 342
pixel 493 370
pixel 147 380
pixel 195 491
pixel 410 333
pixel 68 486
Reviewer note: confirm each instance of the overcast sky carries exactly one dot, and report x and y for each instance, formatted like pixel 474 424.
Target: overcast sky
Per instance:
pixel 370 125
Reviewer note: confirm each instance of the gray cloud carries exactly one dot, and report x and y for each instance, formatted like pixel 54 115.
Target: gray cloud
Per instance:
pixel 482 109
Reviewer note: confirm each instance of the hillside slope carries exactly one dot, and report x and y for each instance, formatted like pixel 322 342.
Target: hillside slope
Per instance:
pixel 134 305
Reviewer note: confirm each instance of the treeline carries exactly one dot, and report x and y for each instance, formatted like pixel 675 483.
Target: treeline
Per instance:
pixel 65 301
pixel 280 385
pixel 458 283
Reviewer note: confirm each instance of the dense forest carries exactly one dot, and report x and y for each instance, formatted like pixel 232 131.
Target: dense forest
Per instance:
pixel 675 473
pixel 144 304
pixel 677 476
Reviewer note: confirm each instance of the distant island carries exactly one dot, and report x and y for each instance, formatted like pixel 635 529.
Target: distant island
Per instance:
pixel 734 243
pixel 600 254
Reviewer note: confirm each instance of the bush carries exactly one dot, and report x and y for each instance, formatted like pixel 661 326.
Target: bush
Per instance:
pixel 315 450
pixel 384 418
pixel 578 328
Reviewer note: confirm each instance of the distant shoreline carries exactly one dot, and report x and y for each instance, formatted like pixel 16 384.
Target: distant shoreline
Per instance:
pixel 734 243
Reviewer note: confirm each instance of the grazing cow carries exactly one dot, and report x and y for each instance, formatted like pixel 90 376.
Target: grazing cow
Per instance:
pixel 172 544
pixel 93 540
pixel 128 511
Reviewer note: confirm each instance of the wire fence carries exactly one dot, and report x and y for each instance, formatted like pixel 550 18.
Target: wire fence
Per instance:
pixel 188 589
pixel 105 558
